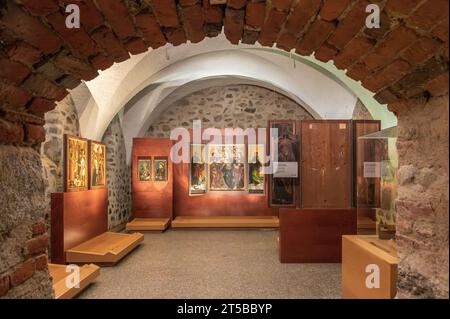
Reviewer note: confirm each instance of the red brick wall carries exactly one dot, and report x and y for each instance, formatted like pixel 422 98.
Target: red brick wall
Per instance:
pixel 40 58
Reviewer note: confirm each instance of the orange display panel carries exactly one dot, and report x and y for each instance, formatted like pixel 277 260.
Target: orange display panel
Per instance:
pixel 152 178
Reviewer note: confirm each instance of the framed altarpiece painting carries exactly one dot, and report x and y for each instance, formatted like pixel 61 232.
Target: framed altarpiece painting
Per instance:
pixel 97 165
pixel 144 169
pixel 256 160
pixel 284 136
pixel 161 168
pixel 76 165
pixel 226 167
pixel 197 170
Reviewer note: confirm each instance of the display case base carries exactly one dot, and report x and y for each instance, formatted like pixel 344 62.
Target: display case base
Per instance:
pixel 148 224
pixel 226 222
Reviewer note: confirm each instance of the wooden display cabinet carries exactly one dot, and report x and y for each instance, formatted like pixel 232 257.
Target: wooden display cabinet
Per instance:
pixel 326 164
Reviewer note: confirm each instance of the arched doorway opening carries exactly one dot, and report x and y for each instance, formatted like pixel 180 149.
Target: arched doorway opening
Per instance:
pixel 405 63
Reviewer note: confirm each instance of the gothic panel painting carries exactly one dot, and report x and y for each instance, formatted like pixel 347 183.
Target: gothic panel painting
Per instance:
pixel 197 170
pixel 76 164
pixel 226 167
pixel 161 169
pixel 97 165
pixel 256 178
pixel 144 169
pixel 283 190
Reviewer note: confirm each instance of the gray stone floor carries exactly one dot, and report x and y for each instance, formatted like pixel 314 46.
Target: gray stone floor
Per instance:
pixel 213 264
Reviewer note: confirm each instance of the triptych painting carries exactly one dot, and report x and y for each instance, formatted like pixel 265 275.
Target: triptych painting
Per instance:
pixel 155 169
pixel 84 164
pixel 224 168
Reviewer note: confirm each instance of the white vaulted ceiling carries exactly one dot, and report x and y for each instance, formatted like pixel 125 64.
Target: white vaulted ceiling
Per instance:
pixel 140 88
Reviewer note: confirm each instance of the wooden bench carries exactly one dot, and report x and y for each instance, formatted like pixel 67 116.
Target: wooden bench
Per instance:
pixel 88 274
pixel 105 249
pixel 226 222
pixel 148 224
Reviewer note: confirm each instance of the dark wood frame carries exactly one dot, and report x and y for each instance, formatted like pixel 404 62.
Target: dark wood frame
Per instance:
pixel 144 158
pixel 66 164
pixel 91 164
pixel 160 158
pixel 295 180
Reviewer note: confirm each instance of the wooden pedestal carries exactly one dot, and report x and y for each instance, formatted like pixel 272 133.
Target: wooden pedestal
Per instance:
pixel 314 235
pixel 88 274
pixel 106 249
pixel 357 253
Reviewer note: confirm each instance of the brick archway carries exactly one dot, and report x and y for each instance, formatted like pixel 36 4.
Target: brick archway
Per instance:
pixel 405 62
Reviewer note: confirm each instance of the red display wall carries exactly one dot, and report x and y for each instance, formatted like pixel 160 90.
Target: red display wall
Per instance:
pixel 152 199
pixel 76 218
pixel 226 203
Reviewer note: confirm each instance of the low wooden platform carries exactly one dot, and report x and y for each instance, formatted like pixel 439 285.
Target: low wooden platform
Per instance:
pixel 226 222
pixel 105 249
pixel 88 274
pixel 148 224
pixel 366 223
pixel 357 253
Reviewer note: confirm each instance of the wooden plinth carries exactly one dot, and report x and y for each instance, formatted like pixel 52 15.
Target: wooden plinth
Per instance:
pixel 314 235
pixel 76 218
pixel 148 224
pixel 226 222
pixel 106 249
pixel 88 274
pixel 357 253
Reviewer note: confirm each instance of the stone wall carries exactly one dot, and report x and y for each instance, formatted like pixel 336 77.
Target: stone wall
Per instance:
pixel 243 106
pixel 62 120
pixel 422 205
pixel 23 241
pixel 361 112
pixel 118 175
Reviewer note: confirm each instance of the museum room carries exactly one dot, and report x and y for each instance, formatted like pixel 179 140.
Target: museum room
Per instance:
pixel 224 149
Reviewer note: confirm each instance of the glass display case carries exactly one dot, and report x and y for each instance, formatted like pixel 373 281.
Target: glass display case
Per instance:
pixel 377 166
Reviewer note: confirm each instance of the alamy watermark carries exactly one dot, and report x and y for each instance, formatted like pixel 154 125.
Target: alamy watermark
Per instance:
pixel 73 19
pixel 228 137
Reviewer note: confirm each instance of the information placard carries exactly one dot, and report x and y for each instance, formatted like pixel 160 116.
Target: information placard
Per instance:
pixel 372 169
pixel 285 170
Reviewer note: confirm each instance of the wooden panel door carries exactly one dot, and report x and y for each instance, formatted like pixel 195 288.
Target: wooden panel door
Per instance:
pixel 326 164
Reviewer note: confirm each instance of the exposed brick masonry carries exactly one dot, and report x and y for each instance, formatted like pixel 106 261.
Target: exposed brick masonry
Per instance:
pixel 40 58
